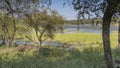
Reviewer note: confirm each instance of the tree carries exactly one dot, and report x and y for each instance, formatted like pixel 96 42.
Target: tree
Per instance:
pixel 108 8
pixel 17 8
pixel 118 33
pixel 7 29
pixel 2 32
pixel 44 24
pixel 10 8
pixel 78 21
pixel 115 20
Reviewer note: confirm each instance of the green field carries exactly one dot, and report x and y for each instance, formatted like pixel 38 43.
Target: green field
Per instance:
pixel 54 57
pixel 85 38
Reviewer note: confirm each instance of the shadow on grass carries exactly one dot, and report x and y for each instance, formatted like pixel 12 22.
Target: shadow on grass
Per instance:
pixel 53 57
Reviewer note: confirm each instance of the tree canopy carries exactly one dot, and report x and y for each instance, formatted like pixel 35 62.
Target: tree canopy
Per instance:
pixel 97 7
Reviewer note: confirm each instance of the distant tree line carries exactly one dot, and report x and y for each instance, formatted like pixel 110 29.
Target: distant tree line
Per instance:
pixel 92 21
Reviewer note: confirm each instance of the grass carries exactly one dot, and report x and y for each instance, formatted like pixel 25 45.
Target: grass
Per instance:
pixel 54 57
pixel 85 38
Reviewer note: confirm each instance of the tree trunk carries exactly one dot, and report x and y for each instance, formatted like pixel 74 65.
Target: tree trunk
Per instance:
pixel 119 35
pixel 8 45
pixel 3 40
pixel 40 44
pixel 106 36
pixel 78 26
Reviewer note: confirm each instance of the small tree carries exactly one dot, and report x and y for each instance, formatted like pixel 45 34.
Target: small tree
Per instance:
pixel 44 24
pixel 7 28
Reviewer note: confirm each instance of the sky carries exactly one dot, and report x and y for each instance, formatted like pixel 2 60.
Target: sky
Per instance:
pixel 66 11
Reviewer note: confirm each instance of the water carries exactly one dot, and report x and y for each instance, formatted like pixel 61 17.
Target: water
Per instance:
pixel 87 28
pixel 20 42
pixel 53 43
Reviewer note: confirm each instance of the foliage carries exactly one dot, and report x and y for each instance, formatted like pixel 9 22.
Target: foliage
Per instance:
pixel 50 57
pixel 56 58
pixel 20 7
pixel 109 8
pixel 16 9
pixel 92 21
pixel 8 28
pixel 44 24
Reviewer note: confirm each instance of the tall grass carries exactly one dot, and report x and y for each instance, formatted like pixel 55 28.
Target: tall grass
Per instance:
pixel 53 57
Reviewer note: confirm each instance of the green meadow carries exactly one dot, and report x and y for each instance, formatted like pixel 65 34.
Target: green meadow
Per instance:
pixel 85 38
